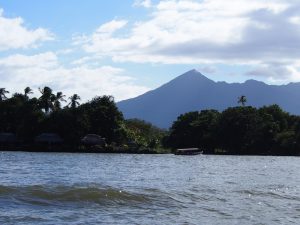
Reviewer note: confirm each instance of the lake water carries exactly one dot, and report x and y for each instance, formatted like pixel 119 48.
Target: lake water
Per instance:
pixel 58 188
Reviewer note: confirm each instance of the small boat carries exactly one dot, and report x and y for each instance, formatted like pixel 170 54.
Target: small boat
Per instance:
pixel 188 151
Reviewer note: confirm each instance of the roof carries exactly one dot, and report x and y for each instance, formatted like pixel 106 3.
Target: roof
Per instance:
pixel 93 139
pixel 8 137
pixel 49 138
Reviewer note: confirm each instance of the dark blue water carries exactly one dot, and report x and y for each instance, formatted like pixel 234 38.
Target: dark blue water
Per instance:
pixel 45 188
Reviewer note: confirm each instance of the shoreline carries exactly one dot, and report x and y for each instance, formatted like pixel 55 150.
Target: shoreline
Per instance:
pixel 128 151
pixel 78 150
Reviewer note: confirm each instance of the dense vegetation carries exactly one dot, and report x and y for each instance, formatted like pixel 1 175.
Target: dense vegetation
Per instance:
pixel 28 117
pixel 238 130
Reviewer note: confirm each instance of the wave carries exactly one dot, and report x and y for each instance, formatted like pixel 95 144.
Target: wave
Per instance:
pixel 43 195
pixel 280 193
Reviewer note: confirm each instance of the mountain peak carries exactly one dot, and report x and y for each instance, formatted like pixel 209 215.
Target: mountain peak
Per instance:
pixel 193 71
pixel 190 80
pixel 192 91
pixel 193 75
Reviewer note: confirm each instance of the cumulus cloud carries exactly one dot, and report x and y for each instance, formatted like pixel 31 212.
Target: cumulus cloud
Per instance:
pixel 210 31
pixel 19 71
pixel 14 35
pixel 102 37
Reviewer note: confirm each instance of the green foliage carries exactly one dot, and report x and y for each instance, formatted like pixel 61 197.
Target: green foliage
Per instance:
pixel 29 117
pixel 242 100
pixel 27 91
pixel 74 101
pixel 194 129
pixel 238 130
pixel 20 115
pixel 181 133
pixel 104 118
pixel 143 134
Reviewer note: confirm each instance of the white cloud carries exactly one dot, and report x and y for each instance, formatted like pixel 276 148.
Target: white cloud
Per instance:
pixel 102 38
pixel 277 73
pixel 206 31
pixel 19 71
pixel 176 23
pixel 14 35
pixel 82 60
pixel 110 27
pixel 143 3
pixel 93 60
pixel 43 60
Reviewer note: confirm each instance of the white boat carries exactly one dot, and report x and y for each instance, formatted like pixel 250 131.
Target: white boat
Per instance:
pixel 188 151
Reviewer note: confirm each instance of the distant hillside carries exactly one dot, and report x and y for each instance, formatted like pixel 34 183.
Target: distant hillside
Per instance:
pixel 193 91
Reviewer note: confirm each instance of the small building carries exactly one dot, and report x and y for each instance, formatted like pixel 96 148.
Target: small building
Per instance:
pixel 49 138
pixel 7 138
pixel 93 139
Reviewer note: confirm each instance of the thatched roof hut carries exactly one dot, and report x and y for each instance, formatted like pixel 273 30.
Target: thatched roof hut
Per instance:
pixel 93 139
pixel 8 138
pixel 49 138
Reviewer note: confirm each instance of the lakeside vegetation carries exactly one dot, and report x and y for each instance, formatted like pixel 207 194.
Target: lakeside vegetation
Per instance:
pixel 29 117
pixel 241 130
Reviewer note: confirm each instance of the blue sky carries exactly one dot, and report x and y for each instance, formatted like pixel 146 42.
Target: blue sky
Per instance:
pixel 127 47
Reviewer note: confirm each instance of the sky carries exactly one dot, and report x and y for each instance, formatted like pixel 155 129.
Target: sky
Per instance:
pixel 127 47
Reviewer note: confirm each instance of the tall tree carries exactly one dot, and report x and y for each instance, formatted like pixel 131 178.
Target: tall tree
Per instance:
pixel 46 100
pixel 3 93
pixel 27 91
pixel 105 119
pixel 237 129
pixel 57 99
pixel 74 101
pixel 242 100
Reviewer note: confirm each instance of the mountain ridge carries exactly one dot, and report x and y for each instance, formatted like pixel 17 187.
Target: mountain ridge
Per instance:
pixel 192 91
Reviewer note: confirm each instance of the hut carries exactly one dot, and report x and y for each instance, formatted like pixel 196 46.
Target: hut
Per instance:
pixel 49 138
pixel 8 141
pixel 93 139
pixel 8 138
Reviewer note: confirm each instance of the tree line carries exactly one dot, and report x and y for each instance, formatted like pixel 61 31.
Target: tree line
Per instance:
pixel 55 113
pixel 237 130
pixel 242 130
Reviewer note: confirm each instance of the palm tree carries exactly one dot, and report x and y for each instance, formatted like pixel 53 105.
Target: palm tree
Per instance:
pixel 242 100
pixel 74 101
pixel 57 99
pixel 46 100
pixel 27 91
pixel 3 93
